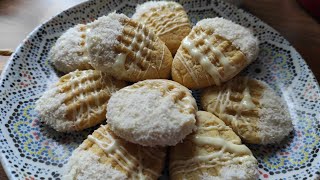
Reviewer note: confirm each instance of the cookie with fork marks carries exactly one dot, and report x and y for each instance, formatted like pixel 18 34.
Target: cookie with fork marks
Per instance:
pixel 251 108
pixel 167 19
pixel 127 50
pixel 78 100
pixel 103 155
pixel 215 51
pixel 213 151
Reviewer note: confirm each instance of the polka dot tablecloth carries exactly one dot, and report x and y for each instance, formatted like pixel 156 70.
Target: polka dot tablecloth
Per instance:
pixel 31 150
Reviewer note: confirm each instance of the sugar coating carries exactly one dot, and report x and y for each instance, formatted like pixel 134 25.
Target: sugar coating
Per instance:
pixel 67 55
pixel 144 116
pixel 240 36
pixel 52 109
pixel 275 122
pixel 145 7
pixel 85 165
pixel 247 170
pixel 102 38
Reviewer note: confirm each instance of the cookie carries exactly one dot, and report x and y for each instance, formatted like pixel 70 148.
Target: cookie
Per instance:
pixel 77 101
pixel 213 151
pixel 251 108
pixel 70 51
pixel 167 19
pixel 215 51
pixel 127 50
pixel 152 112
pixel 103 155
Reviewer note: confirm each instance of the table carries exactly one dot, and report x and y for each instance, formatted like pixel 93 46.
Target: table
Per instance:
pixel 18 18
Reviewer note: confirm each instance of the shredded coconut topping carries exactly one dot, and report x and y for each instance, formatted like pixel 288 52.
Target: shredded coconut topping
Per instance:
pixel 102 38
pixel 52 109
pixel 247 170
pixel 70 52
pixel 145 7
pixel 240 36
pixel 147 117
pixel 275 122
pixel 85 165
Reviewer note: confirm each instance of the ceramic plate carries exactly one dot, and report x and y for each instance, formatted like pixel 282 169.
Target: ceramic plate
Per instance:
pixel 30 150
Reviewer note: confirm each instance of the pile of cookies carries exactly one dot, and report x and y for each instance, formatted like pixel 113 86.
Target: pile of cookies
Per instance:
pixel 154 117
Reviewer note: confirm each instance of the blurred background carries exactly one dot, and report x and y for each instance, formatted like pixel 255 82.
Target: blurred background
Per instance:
pixel 296 20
